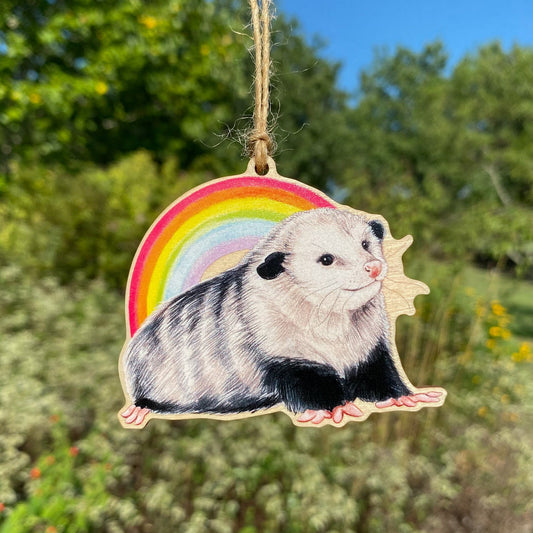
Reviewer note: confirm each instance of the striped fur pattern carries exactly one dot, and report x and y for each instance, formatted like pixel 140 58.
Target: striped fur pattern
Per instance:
pixel 300 322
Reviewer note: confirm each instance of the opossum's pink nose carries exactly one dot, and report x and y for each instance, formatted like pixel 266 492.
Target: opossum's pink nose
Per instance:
pixel 373 268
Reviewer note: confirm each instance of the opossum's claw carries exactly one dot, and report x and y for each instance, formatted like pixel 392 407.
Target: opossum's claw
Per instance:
pixel 315 417
pixel 307 416
pixel 128 411
pixel 407 401
pixel 135 415
pixel 431 397
pixel 349 409
pixel 141 416
pixel 411 400
pixel 386 403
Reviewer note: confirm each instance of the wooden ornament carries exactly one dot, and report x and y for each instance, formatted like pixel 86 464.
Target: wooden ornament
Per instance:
pixel 254 294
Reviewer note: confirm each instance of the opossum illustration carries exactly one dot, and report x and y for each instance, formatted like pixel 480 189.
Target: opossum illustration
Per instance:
pixel 300 322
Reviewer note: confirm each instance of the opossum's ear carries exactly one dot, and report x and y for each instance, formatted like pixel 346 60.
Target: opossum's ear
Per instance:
pixel 377 228
pixel 272 266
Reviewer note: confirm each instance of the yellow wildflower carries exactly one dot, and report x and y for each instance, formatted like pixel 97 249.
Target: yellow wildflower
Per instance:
pixel 497 308
pixel 35 98
pixel 101 87
pixel 490 344
pixel 148 21
pixel 506 334
pixel 504 321
pixel 476 379
pixel 482 411
pixel 525 348
pixel 505 398
pixel 495 331
pixel 523 354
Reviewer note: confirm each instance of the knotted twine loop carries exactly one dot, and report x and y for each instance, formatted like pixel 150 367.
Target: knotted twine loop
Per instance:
pixel 259 142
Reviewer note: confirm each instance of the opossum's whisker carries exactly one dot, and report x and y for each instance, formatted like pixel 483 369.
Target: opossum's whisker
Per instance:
pixel 332 307
pixel 324 287
pixel 306 297
pixel 296 296
pixel 298 301
pixel 317 314
pixel 331 313
pixel 346 301
pixel 315 309
pixel 318 307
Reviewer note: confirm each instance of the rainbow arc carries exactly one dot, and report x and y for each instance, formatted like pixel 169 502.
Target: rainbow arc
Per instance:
pixel 216 223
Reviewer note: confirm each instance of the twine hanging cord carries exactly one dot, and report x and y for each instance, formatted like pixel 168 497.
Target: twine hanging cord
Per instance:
pixel 259 143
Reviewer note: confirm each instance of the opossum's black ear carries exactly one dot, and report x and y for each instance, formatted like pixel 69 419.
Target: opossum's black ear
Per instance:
pixel 377 228
pixel 272 266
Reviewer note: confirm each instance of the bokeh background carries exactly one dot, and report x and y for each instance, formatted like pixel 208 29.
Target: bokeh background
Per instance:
pixel 108 112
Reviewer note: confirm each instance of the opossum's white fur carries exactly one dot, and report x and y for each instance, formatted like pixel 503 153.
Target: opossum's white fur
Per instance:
pixel 206 347
pixel 315 311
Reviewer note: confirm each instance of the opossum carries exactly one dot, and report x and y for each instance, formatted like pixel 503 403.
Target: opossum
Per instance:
pixel 299 322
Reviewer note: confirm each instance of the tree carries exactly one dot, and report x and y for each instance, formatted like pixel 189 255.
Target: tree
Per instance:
pixel 449 158
pixel 493 101
pixel 492 95
pixel 93 80
pixel 147 80
pixel 310 111
pixel 402 136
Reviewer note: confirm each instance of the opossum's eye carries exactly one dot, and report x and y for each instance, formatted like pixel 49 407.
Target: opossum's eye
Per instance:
pixel 365 245
pixel 326 259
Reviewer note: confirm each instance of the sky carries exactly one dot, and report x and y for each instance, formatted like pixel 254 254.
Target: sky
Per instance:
pixel 354 29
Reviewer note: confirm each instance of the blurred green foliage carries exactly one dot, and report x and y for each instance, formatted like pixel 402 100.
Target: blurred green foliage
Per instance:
pixel 93 232
pixel 111 110
pixel 66 463
pixel 458 147
pixel 93 80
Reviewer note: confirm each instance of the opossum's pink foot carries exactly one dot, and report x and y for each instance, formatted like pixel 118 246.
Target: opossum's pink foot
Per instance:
pixel 411 400
pixel 134 415
pixel 315 417
pixel 349 409
pixel 128 411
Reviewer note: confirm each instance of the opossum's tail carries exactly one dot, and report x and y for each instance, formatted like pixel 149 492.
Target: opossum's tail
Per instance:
pixel 135 414
pixel 210 405
pixel 158 407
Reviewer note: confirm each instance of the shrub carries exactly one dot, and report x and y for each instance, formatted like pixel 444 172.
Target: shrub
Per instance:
pixel 67 465
pixel 86 225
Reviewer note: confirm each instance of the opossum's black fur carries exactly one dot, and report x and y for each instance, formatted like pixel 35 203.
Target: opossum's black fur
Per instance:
pixel 377 228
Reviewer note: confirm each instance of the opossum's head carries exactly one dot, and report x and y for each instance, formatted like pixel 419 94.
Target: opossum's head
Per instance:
pixel 327 253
